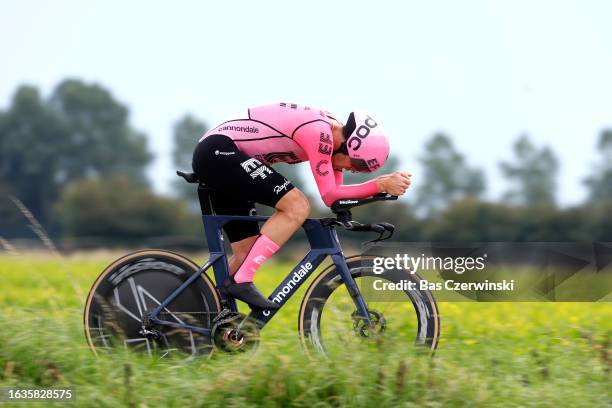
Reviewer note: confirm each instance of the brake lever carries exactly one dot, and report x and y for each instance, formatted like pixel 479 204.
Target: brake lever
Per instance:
pixel 382 228
pixel 379 228
pixel 388 226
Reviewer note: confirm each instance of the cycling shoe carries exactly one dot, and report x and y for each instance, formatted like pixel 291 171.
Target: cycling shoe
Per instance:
pixel 248 293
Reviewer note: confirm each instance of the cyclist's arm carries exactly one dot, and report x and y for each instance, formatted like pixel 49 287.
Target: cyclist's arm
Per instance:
pixel 339 176
pixel 362 190
pixel 319 151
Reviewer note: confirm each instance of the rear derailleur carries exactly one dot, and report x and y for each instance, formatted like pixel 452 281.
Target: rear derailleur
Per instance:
pixel 147 329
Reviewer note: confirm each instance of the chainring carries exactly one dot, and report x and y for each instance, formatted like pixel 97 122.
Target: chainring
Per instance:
pixel 234 332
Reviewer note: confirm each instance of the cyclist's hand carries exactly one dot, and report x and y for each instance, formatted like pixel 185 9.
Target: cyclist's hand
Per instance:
pixel 395 183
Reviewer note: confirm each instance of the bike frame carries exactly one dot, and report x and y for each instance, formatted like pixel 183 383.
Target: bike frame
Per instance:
pixel 323 242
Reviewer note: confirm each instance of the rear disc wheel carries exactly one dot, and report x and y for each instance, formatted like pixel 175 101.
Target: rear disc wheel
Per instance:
pixel 127 291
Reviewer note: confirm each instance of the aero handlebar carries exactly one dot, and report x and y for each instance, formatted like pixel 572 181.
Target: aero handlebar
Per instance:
pixel 342 209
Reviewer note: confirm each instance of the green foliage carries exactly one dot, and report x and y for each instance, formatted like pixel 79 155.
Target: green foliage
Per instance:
pixel 490 354
pixel 600 182
pixel 446 176
pixel 101 141
pixel 81 131
pixel 32 142
pixel 11 221
pixel 534 174
pixel 470 220
pixel 598 222
pixel 119 210
pixel 186 133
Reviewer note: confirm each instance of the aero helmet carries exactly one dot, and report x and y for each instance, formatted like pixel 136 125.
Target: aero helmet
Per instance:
pixel 364 142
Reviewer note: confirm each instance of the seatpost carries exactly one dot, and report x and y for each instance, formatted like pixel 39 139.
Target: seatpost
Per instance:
pixel 204 197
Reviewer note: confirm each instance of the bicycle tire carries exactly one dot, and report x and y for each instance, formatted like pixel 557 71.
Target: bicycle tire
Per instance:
pixel 201 301
pixel 327 282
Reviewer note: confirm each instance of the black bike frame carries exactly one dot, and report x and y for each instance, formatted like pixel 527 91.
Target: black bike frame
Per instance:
pixel 323 241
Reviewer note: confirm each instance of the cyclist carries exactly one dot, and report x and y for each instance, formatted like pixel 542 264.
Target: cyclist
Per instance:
pixel 234 157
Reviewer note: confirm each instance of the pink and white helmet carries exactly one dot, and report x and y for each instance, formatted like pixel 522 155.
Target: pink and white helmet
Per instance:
pixel 365 142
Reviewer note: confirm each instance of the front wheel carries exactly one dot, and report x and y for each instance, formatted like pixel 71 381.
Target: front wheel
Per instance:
pixel 329 321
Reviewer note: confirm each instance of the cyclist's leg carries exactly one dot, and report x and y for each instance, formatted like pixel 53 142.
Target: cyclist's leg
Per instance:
pixel 241 234
pixel 292 209
pixel 240 250
pixel 239 178
pixel 220 164
pixel 291 212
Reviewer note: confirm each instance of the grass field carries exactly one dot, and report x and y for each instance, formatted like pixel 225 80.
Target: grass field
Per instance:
pixel 490 354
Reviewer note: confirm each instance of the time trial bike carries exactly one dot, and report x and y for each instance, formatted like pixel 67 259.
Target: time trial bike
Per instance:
pixel 160 302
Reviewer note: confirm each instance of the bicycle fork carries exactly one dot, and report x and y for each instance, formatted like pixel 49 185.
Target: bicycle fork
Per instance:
pixel 351 286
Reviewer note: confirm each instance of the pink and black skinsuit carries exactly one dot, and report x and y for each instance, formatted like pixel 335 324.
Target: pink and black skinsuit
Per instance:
pixel 234 158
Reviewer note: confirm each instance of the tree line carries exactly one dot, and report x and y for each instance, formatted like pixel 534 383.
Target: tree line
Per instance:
pixel 77 163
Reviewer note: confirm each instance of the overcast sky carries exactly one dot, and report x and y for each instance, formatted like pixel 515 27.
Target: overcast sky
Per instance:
pixel 482 71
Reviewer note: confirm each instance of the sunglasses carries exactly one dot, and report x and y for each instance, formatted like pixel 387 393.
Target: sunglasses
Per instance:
pixel 359 165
